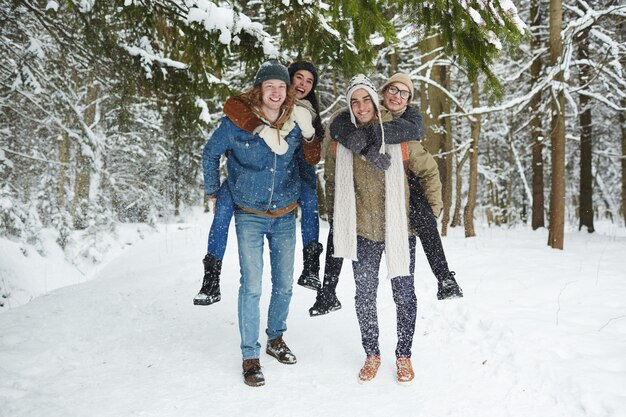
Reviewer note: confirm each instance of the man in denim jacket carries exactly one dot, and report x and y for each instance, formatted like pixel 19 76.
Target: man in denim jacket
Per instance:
pixel 263 175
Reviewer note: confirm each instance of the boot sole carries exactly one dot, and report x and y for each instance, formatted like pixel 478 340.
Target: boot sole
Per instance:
pixel 366 382
pixel 254 384
pixel 206 302
pixel 450 297
pixel 404 383
pixel 269 352
pixel 309 286
pixel 317 313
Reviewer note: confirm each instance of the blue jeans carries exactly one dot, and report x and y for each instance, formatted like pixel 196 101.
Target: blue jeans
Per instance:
pixel 252 229
pixel 218 234
pixel 310 215
pixel 225 207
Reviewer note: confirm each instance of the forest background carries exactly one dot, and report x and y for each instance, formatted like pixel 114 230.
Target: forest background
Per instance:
pixel 105 105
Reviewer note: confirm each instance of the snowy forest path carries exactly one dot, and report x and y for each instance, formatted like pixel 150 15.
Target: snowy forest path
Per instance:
pixel 129 342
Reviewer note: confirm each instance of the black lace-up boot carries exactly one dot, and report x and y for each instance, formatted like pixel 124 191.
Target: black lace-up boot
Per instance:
pixel 210 291
pixel 310 277
pixel 448 288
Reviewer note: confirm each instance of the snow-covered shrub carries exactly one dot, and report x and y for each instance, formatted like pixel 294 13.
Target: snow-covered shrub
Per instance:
pixel 62 223
pixel 32 230
pixel 12 215
pixel 99 232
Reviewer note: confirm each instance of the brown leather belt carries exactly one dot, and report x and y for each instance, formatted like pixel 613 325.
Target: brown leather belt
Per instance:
pixel 275 213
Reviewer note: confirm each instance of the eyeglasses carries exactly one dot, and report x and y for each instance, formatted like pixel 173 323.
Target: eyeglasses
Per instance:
pixel 393 90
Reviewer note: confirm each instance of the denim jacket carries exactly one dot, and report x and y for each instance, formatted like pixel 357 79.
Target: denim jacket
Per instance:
pixel 258 178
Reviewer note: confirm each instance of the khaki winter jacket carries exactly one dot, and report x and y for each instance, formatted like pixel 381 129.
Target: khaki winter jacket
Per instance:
pixel 369 184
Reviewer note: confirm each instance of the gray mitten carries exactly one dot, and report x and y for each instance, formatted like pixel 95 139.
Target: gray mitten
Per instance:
pixel 355 141
pixel 380 161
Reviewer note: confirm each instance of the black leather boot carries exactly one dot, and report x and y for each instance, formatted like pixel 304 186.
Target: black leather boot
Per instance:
pixel 210 291
pixel 325 302
pixel 310 277
pixel 448 288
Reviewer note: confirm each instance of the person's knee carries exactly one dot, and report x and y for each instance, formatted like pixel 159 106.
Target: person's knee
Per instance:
pixel 251 287
pixel 405 299
pixel 404 290
pixel 365 295
pixel 282 290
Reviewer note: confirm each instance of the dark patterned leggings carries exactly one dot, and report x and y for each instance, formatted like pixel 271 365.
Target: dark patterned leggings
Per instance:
pixel 366 277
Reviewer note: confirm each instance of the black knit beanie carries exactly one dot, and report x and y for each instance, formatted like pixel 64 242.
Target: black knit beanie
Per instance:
pixel 303 65
pixel 272 70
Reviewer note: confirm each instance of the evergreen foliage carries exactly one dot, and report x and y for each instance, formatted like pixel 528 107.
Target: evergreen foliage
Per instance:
pixel 121 95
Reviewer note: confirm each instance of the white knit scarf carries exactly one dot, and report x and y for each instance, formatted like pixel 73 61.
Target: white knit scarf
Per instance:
pixel 344 222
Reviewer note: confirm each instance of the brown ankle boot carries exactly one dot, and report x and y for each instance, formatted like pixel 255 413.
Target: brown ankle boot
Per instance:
pixel 369 369
pixel 279 349
pixel 252 374
pixel 405 371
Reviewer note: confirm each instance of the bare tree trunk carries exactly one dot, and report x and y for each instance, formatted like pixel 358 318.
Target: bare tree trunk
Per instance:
pixel 437 133
pixel 393 62
pixel 64 160
pixel 490 187
pixel 557 135
pixel 177 173
pixel 458 181
pixel 586 140
pixel 622 120
pixel 84 163
pixel 468 213
pixel 394 59
pixel 537 133
pixel 447 148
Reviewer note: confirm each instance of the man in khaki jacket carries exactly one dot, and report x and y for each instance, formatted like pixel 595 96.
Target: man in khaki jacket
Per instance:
pixel 368 198
pixel 405 126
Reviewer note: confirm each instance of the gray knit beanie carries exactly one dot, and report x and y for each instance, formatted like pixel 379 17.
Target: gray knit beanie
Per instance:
pixel 272 70
pixel 361 81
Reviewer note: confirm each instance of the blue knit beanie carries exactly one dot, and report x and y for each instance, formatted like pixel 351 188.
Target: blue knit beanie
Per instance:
pixel 272 70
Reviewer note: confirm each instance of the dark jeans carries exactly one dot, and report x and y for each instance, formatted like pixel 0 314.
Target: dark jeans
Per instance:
pixel 366 278
pixel 332 265
pixel 423 222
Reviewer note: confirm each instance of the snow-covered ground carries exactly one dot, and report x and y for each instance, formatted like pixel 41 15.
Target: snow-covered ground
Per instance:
pixel 540 333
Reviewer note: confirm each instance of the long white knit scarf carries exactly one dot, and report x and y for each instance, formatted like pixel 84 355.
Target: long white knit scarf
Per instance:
pixel 344 223
pixel 344 218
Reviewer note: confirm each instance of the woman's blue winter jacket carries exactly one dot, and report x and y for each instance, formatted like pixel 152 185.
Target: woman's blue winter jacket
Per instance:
pixel 258 178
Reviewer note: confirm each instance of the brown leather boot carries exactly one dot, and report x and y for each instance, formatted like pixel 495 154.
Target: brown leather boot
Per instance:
pixel 252 374
pixel 369 369
pixel 405 371
pixel 279 349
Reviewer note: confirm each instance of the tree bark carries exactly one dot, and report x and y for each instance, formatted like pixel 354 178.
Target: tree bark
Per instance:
pixel 447 148
pixel 557 135
pixel 586 139
pixel 458 181
pixel 437 133
pixel 64 160
pixel 472 192
pixel 537 134
pixel 177 171
pixel 622 120
pixel 394 59
pixel 393 62
pixel 84 163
